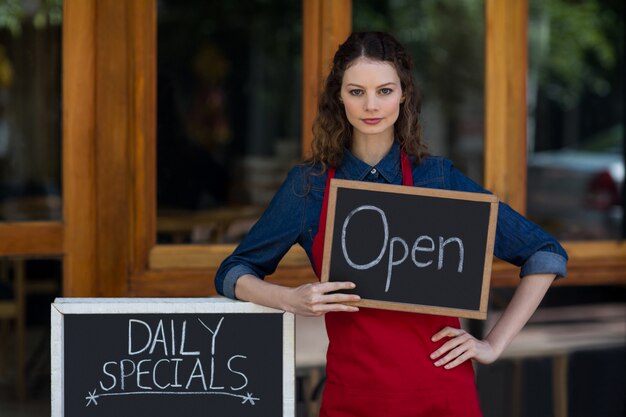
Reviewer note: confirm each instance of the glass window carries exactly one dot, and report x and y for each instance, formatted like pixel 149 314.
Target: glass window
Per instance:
pixel 27 287
pixel 576 118
pixel 30 110
pixel 229 113
pixel 446 41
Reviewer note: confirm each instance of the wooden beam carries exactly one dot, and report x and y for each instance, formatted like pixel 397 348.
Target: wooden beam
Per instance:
pixel 178 282
pixel 173 283
pixel 199 283
pixel 164 257
pixel 211 256
pixel 31 238
pixel 142 78
pixel 593 263
pixel 506 50
pixel 336 26
pixel 113 175
pixel 311 82
pixel 79 150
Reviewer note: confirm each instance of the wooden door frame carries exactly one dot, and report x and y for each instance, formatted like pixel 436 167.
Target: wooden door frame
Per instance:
pixel 109 150
pixel 98 173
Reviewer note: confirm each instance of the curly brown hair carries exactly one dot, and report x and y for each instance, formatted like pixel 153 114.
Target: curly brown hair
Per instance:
pixel 331 130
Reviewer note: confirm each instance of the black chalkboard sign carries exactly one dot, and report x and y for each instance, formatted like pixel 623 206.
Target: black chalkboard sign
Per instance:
pixel 171 357
pixel 411 249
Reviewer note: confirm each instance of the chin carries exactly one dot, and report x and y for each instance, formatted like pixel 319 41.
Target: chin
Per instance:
pixel 374 130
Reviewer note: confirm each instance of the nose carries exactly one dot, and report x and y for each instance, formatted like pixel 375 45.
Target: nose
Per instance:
pixel 371 103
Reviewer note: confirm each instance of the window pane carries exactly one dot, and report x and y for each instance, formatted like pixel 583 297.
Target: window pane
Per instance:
pixel 229 113
pixel 446 41
pixel 576 117
pixel 30 110
pixel 27 287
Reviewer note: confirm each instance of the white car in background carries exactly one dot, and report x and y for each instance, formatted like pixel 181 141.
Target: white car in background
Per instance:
pixel 576 194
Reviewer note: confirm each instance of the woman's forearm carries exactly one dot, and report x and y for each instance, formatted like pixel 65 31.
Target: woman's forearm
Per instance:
pixel 253 289
pixel 461 346
pixel 308 299
pixel 525 301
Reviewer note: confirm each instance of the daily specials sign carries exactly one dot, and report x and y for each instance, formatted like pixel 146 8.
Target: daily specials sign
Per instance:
pixel 411 249
pixel 171 357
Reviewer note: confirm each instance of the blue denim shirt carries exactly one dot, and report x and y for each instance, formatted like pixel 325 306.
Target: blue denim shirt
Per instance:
pixel 293 217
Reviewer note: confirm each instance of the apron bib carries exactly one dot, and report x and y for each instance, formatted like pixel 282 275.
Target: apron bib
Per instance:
pixel 378 361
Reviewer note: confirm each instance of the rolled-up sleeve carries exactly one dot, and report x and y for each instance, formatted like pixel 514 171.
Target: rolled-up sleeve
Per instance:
pixel 270 238
pixel 545 263
pixel 518 240
pixel 233 274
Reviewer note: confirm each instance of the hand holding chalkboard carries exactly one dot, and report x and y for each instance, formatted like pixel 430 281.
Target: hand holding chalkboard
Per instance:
pixel 411 249
pixel 319 299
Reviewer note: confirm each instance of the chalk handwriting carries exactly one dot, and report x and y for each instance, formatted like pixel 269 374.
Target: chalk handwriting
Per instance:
pixel 93 396
pixel 343 237
pixel 160 370
pixel 422 245
pixel 213 337
pixel 159 337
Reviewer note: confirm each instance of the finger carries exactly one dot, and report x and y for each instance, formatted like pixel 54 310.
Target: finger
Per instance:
pixel 450 344
pixel 447 331
pixel 322 298
pixel 327 308
pixel 325 287
pixel 453 354
pixel 339 298
pixel 459 360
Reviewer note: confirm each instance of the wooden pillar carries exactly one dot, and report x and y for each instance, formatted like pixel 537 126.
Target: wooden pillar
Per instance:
pixel 97 146
pixel 327 23
pixel 113 144
pixel 506 68
pixel 79 148
pixel 143 152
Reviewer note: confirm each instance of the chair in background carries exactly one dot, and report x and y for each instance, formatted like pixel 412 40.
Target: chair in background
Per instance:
pixel 13 309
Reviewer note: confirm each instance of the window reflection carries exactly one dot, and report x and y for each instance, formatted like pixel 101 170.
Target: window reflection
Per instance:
pixel 446 41
pixel 30 110
pixel 229 94
pixel 576 118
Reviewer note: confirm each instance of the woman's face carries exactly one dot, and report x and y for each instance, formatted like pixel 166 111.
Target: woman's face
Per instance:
pixel 371 94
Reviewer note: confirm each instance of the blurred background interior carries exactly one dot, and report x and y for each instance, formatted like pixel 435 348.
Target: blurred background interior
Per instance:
pixel 229 113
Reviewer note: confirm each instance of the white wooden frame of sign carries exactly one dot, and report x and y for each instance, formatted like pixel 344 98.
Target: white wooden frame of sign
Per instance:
pixel 62 306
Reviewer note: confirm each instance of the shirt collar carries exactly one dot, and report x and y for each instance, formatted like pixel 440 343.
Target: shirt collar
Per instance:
pixel 353 168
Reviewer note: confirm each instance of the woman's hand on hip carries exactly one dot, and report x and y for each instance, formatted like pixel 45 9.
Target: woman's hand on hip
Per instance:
pixel 320 298
pixel 460 347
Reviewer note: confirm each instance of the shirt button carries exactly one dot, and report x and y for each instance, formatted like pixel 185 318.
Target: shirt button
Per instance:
pixel 373 171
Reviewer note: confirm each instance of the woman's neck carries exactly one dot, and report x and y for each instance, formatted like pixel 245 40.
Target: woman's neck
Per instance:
pixel 371 149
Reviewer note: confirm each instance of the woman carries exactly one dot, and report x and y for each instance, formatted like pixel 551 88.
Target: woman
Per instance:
pixel 382 362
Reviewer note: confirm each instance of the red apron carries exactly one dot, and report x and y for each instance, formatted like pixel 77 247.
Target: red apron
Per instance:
pixel 378 361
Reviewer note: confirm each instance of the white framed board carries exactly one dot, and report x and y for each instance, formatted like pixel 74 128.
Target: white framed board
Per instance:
pixel 170 357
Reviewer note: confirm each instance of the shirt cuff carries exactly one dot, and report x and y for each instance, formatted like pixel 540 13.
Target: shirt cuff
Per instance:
pixel 230 280
pixel 545 263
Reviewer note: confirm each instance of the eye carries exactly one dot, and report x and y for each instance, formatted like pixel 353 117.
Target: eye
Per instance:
pixel 385 91
pixel 356 92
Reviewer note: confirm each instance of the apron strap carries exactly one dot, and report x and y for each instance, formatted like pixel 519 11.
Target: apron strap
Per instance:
pixel 407 172
pixel 322 226
pixel 318 242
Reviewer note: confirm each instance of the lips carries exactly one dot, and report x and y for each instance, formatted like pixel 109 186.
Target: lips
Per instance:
pixel 372 121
